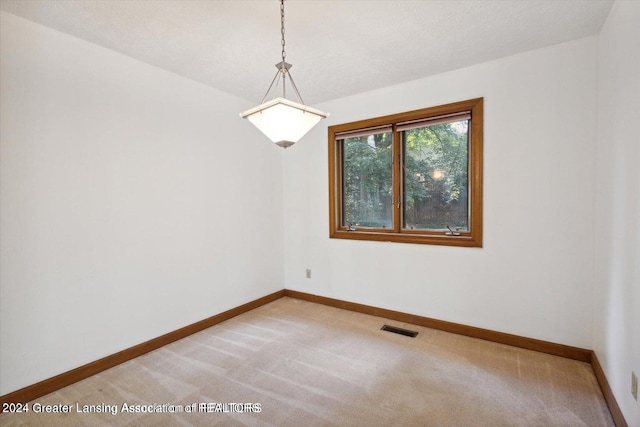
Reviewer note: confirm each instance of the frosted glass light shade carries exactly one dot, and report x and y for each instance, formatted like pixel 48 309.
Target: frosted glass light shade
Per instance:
pixel 283 121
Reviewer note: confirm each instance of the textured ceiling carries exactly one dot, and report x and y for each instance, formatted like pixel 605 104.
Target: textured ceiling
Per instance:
pixel 338 48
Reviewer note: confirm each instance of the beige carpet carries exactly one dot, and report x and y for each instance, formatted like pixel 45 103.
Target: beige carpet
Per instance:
pixel 304 364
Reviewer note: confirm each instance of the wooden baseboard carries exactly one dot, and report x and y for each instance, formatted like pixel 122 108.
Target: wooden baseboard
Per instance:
pixel 616 413
pixel 562 350
pixel 50 385
pixel 575 353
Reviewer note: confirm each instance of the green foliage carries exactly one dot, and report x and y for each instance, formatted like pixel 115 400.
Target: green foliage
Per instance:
pixel 435 179
pixel 367 180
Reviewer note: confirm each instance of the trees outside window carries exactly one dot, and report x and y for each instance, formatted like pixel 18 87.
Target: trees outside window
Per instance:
pixel 413 177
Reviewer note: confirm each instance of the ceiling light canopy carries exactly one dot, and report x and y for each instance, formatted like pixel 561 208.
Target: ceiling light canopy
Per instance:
pixel 283 121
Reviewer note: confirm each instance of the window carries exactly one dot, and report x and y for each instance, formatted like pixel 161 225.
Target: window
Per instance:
pixel 413 177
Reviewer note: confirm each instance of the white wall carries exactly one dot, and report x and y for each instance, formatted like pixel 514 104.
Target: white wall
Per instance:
pixel 133 202
pixel 617 205
pixel 534 275
pixel 117 226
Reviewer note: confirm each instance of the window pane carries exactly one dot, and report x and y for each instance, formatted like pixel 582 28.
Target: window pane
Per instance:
pixel 366 180
pixel 436 180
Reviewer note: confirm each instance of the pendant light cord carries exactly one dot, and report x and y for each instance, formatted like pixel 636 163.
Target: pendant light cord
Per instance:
pixel 284 54
pixel 283 67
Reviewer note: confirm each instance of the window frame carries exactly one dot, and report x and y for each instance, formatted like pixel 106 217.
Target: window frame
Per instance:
pixel 470 238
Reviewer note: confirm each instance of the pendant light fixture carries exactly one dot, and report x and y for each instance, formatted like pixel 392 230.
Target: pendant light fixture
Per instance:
pixel 283 121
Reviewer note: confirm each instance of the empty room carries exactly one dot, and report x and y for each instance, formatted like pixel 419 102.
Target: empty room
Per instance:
pixel 350 213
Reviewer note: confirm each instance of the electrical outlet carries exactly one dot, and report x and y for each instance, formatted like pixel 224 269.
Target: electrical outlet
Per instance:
pixel 308 273
pixel 634 385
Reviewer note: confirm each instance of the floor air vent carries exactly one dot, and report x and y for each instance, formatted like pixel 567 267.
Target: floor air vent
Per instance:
pixel 400 331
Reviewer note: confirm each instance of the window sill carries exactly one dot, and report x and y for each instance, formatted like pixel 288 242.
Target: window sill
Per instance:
pixel 465 240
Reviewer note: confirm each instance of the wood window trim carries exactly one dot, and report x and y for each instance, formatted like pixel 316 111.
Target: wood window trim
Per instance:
pixel 472 238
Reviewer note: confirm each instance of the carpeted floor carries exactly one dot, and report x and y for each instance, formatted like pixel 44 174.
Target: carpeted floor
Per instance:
pixel 296 363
